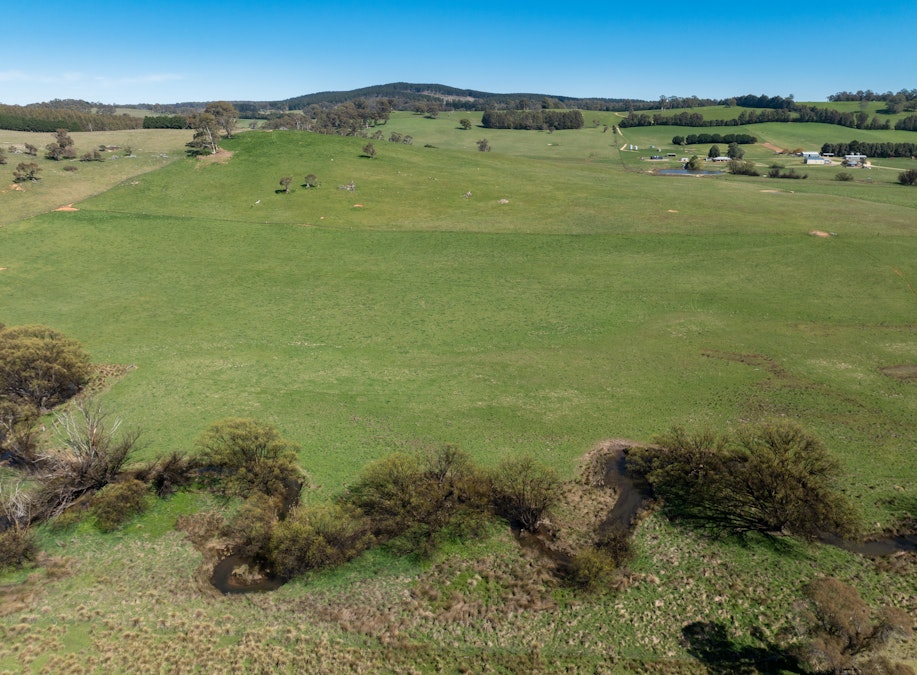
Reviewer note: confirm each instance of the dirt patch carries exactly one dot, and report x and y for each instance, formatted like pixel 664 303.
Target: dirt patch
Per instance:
pixel 820 233
pixel 771 146
pixel 17 186
pixel 907 373
pixel 219 157
pixel 672 211
pixel 772 192
pixel 68 207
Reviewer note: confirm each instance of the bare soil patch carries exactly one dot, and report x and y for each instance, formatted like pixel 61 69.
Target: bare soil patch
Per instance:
pixel 68 207
pixel 219 157
pixel 820 233
pixel 907 373
pixel 771 146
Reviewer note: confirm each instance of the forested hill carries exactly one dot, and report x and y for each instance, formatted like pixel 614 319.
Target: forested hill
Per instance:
pixel 403 94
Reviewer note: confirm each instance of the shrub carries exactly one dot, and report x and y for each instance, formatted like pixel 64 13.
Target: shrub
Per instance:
pixel 741 167
pixel 421 495
pixel 318 536
pixel 840 627
pixel 250 531
pixel 768 478
pixel 38 365
pixel 523 491
pixel 250 456
pixel 17 547
pixel 117 502
pixel 89 456
pixel 310 180
pixel 844 176
pixel 592 569
pixel 18 440
pixel 908 177
pixel 168 473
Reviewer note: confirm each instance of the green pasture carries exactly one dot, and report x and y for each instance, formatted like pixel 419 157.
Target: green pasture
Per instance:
pixel 570 297
pixel 151 148
pixel 404 313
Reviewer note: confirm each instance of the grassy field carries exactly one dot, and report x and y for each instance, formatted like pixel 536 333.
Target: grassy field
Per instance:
pixel 572 297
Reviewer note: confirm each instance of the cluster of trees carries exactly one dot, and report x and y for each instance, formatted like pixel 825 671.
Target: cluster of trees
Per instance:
pixel 219 117
pixel 351 118
pixel 871 149
pixel 50 118
pixel 165 122
pixel 870 95
pixel 532 119
pixel 909 123
pixel 703 139
pixel 771 478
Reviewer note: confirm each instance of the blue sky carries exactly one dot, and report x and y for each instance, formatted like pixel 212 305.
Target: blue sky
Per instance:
pixel 168 51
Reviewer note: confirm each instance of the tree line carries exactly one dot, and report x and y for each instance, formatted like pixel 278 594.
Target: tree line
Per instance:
pixel 532 119
pixel 799 113
pixel 871 149
pixel 703 139
pixel 45 118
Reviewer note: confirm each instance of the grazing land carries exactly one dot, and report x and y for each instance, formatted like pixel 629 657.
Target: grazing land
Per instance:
pixel 535 299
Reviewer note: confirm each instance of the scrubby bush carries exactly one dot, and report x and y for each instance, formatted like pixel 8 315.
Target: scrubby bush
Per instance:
pixel 249 456
pixel 592 569
pixel 18 440
pixel 17 547
pixel 40 366
pixel 769 478
pixel 168 473
pixel 318 536
pixel 844 177
pixel 840 628
pixel 89 454
pixel 421 495
pixel 251 528
pixel 741 167
pixel 117 502
pixel 523 491
pixel 908 177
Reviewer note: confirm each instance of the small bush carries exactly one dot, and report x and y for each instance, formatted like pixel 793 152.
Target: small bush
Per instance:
pixel 523 491
pixel 592 569
pixel 40 366
pixel 17 547
pixel 422 495
pixel 740 167
pixel 316 537
pixel 844 177
pixel 251 529
pixel 908 177
pixel 249 456
pixel 168 473
pixel 115 503
pixel 88 457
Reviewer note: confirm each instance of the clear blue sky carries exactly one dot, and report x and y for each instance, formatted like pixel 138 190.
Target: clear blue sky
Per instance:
pixel 167 51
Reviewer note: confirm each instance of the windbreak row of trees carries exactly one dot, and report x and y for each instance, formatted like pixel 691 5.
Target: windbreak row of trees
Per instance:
pixel 43 118
pixel 871 149
pixel 532 119
pixel 703 139
pixel 859 120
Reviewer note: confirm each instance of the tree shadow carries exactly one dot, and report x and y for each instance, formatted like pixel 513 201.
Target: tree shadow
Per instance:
pixel 710 644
